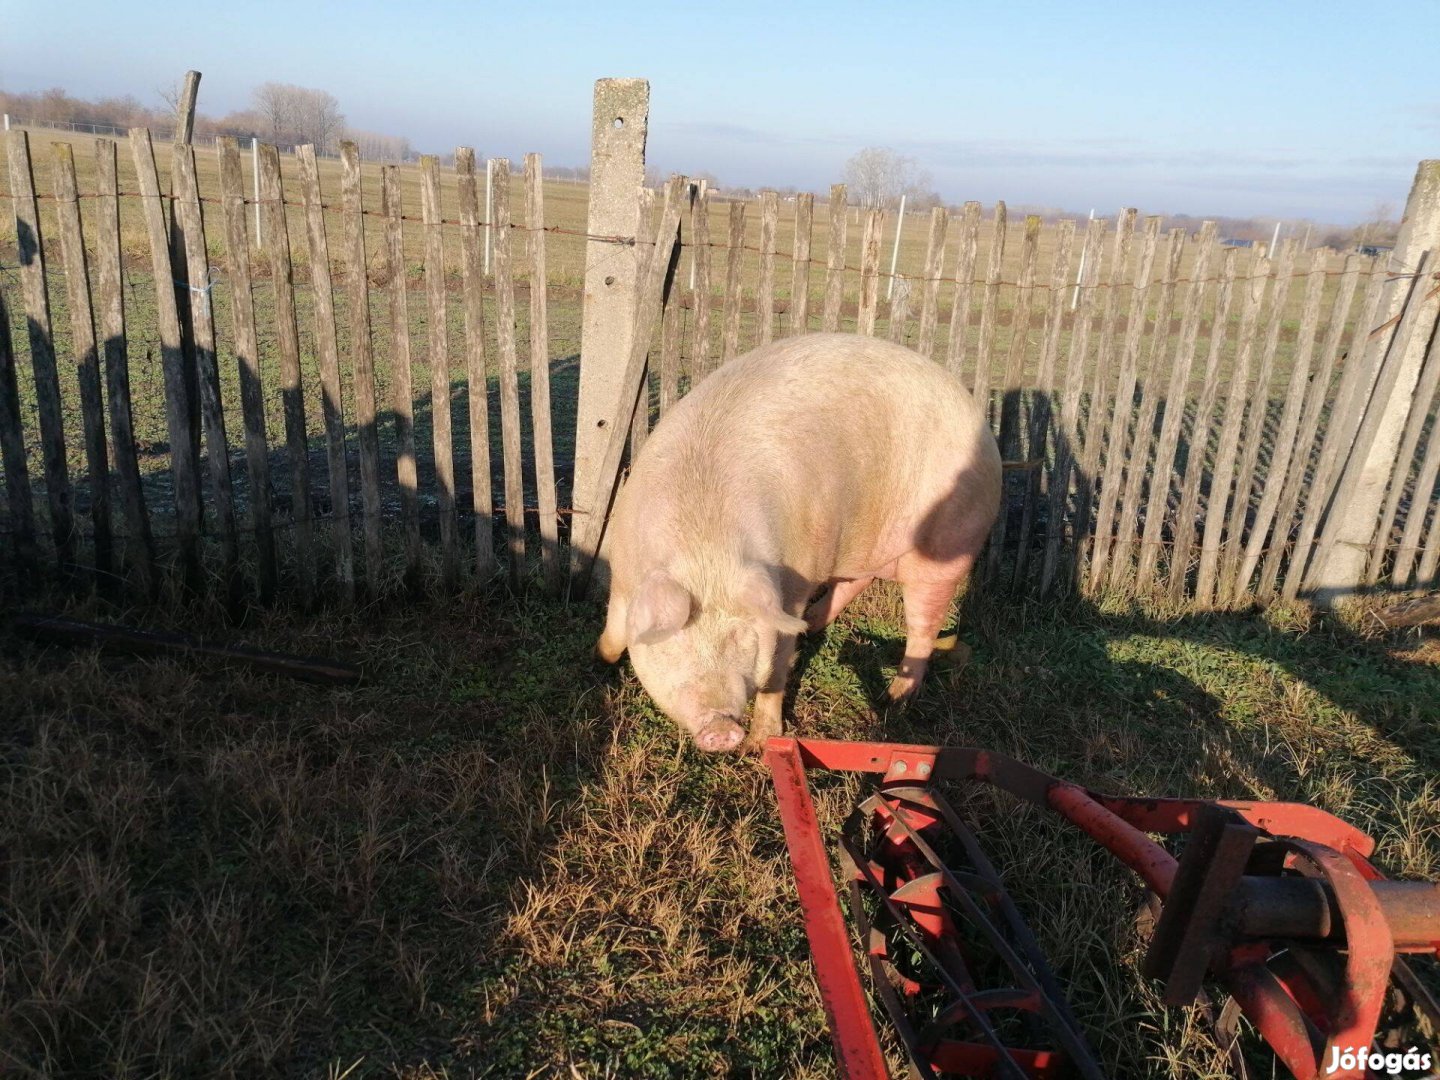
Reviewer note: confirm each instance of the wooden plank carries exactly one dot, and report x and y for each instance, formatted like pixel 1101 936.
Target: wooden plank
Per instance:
pixel 402 391
pixel 1253 420
pixel 1356 379
pixel 1045 388
pixel 765 293
pixel 552 567
pixel 1174 416
pixel 18 499
pixel 247 359
pixel 1115 431
pixel 988 308
pixel 835 261
pixel 48 401
pixel 1137 464
pixel 588 531
pixel 1276 477
pixel 185 107
pixel 670 325
pixel 899 308
pixel 800 264
pixel 1013 383
pixel 276 233
pixel 1185 515
pixel 1295 478
pixel 509 376
pixel 86 354
pixel 640 422
pixel 482 497
pixel 362 361
pixel 1427 574
pixel 184 467
pixel 327 354
pixel 930 287
pixel 439 357
pixel 1423 496
pixel 700 355
pixel 207 368
pixel 730 342
pixel 969 251
pixel 1067 430
pixel 1228 447
pixel 870 270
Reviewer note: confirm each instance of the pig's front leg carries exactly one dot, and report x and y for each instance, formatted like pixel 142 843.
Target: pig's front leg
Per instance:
pixel 611 644
pixel 765 720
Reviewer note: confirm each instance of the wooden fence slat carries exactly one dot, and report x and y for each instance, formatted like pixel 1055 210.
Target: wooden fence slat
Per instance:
pixel 1067 430
pixel 1415 425
pixel 509 375
pixel 930 289
pixel 1254 414
pixel 402 391
pixel 1423 496
pixel 586 535
pixel 670 349
pixel 765 293
pixel 184 467
pixel 969 250
pixel 110 324
pixel 835 261
pixel 1185 514
pixel 1041 407
pixel 1174 417
pixel 362 360
pixel 989 307
pixel 800 264
pixel 1356 379
pixel 1228 448
pixel 327 354
pixel 899 309
pixel 482 498
pixel 1013 382
pixel 1276 477
pixel 1419 312
pixel 247 359
pixel 1138 458
pixel 730 343
pixel 276 232
pixel 191 223
pixel 1114 430
pixel 1295 479
pixel 42 349
pixel 870 271
pixel 86 353
pixel 700 355
pixel 12 447
pixel 439 359
pixel 1426 574
pixel 553 568
pixel 645 243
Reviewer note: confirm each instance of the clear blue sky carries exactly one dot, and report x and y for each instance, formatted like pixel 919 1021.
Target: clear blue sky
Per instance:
pixel 1308 110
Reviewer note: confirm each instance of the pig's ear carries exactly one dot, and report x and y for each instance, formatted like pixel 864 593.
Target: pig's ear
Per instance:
pixel 659 608
pixel 762 599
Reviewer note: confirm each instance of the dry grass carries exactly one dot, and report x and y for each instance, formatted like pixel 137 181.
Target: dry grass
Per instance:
pixel 493 858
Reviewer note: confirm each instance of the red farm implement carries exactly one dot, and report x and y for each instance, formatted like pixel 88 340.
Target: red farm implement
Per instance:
pixel 1276 903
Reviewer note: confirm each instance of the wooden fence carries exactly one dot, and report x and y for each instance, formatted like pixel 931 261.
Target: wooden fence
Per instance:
pixel 1176 416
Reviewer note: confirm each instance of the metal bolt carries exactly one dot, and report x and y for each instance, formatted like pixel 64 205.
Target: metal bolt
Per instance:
pixel 898 767
pixel 923 769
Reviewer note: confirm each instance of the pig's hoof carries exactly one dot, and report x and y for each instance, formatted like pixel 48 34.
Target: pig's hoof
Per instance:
pixel 951 652
pixel 903 690
pixel 719 736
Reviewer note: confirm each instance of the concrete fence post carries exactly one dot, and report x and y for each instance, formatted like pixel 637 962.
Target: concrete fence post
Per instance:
pixel 1344 550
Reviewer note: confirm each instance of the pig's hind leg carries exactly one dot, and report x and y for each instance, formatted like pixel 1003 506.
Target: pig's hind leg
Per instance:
pixel 928 588
pixel 611 644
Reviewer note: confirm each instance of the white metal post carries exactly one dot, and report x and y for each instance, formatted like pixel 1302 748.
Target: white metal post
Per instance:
pixel 7 121
pixel 1275 237
pixel 1079 274
pixel 895 251
pixel 255 172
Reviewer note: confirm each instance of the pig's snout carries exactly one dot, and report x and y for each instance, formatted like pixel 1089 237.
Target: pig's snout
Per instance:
pixel 719 734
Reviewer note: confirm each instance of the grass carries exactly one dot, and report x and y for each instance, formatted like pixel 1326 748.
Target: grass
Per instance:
pixel 494 858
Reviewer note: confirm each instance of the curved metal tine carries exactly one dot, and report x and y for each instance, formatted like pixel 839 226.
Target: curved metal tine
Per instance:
pixel 1421 999
pixel 981 1023
pixel 920 1067
pixel 1056 1011
pixel 989 1000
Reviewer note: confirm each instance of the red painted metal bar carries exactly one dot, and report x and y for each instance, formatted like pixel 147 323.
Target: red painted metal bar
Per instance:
pixel 856 1048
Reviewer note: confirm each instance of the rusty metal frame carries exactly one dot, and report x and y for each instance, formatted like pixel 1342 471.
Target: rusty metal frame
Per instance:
pixel 1276 902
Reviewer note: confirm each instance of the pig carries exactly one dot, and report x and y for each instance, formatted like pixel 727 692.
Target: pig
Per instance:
pixel 819 461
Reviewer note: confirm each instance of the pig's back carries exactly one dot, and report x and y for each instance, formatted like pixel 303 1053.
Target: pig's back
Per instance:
pixel 845 439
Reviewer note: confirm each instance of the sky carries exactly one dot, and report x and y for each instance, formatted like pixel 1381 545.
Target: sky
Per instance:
pixel 1317 110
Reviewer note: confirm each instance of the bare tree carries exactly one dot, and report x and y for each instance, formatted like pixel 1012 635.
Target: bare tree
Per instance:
pixel 298 114
pixel 877 176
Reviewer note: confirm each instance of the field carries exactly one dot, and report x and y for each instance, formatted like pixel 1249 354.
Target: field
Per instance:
pixel 493 858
